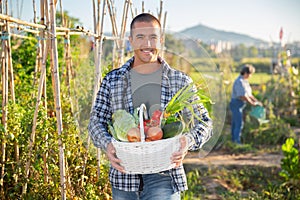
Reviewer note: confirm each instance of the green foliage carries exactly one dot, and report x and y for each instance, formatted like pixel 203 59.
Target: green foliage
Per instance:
pixel 69 21
pixel 81 163
pixel 262 65
pixel 290 164
pixel 234 182
pixel 173 45
pixel 46 144
pixel 23 59
pixel 195 184
pixel 275 132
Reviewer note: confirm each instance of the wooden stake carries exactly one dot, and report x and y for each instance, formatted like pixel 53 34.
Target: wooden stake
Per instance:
pixel 4 113
pixel 56 84
pixel 44 48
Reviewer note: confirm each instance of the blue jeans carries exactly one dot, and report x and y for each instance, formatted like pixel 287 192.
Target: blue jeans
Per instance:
pixel 155 186
pixel 237 106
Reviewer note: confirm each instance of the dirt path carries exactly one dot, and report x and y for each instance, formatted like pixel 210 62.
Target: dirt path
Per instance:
pixel 219 158
pixel 223 159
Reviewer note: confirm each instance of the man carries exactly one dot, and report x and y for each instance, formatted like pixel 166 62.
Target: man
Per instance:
pixel 145 78
pixel 241 94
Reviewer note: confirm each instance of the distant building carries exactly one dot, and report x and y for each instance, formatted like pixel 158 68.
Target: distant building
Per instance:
pixel 220 46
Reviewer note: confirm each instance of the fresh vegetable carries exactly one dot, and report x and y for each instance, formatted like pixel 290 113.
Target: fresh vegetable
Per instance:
pixel 146 126
pixel 172 129
pixel 154 133
pixel 122 121
pixel 155 118
pixel 186 97
pixel 156 114
pixel 134 135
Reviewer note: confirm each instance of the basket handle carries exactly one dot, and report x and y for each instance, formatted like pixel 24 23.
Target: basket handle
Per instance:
pixel 142 114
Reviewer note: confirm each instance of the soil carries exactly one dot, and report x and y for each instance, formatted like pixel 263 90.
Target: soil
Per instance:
pixel 224 159
pixel 221 159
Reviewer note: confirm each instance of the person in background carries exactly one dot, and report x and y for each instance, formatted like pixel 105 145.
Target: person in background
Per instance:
pixel 144 78
pixel 241 95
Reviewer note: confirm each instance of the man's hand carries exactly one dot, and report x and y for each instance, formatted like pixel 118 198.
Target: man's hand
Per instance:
pixel 177 157
pixel 111 155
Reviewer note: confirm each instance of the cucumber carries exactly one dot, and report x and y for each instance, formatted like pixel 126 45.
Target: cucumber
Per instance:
pixel 172 129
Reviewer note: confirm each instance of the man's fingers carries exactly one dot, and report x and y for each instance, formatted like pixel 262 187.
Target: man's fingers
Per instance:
pixel 114 160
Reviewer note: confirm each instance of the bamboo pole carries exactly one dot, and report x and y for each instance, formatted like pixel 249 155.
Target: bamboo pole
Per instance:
pixel 4 108
pixel 4 119
pixel 98 72
pixel 11 82
pixel 56 84
pixel 42 85
pixel 38 50
pixel 68 62
pixel 4 114
pixel 73 31
pixel 114 30
pixel 160 10
pixel 12 91
pixel 10 67
pixel 44 47
pixel 112 19
pixel 62 14
pixel 132 10
pixel 18 21
pixel 32 136
pixel 3 144
pixel 34 10
pixel 122 33
pixel 96 11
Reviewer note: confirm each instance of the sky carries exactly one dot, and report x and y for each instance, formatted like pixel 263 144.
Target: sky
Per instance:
pixel 261 19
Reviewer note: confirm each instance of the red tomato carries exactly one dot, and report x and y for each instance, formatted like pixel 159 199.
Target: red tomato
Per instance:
pixel 146 127
pixel 156 115
pixel 154 133
pixel 154 122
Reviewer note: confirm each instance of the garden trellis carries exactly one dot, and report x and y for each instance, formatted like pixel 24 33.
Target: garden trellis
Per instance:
pixel 46 31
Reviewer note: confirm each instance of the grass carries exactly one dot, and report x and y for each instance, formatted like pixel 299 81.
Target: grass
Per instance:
pixel 231 182
pixel 257 78
pixel 235 182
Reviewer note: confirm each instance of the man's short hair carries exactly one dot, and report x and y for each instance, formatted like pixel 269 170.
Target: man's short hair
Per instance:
pixel 144 17
pixel 247 69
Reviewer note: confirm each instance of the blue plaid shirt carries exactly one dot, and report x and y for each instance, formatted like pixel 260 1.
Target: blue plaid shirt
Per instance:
pixel 115 93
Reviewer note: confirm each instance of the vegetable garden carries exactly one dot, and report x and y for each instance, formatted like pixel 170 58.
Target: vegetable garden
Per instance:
pixel 49 79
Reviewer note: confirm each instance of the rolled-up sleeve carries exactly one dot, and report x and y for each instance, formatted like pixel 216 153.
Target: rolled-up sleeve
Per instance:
pixel 201 132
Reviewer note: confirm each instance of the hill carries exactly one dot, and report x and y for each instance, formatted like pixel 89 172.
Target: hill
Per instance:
pixel 208 35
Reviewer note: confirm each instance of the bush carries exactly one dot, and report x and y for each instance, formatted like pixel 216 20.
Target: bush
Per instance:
pixel 275 132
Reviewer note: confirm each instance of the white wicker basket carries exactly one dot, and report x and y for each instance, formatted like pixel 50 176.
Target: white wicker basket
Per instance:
pixel 146 157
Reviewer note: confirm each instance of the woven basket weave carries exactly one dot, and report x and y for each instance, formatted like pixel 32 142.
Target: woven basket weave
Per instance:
pixel 146 157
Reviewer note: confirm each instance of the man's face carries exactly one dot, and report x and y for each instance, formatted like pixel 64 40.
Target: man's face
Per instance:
pixel 146 42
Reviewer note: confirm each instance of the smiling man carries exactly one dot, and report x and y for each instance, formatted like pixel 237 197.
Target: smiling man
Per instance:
pixel 145 78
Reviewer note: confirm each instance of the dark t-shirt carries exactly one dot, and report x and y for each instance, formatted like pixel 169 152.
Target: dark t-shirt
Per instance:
pixel 146 88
